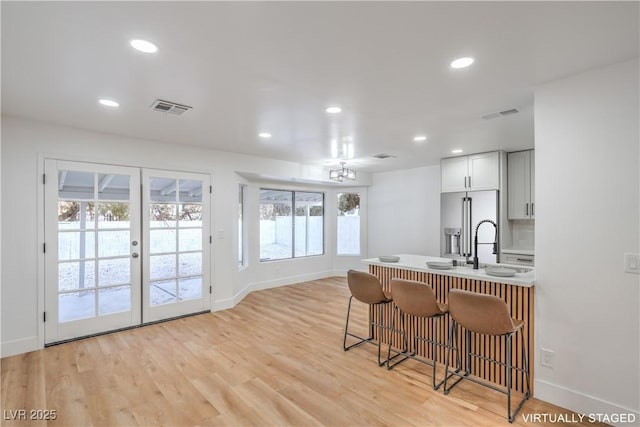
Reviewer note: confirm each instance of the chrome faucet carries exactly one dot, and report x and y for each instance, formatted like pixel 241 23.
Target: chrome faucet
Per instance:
pixel 475 242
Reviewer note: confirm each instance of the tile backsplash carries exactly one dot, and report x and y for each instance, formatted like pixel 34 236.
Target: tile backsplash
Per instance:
pixel 522 234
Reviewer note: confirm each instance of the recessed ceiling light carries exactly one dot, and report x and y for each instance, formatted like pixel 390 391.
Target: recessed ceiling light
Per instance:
pixel 333 110
pixel 457 151
pixel 264 135
pixel 420 138
pixel 462 62
pixel 108 103
pixel 144 46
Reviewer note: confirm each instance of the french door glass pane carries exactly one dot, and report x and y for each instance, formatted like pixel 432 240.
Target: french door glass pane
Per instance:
pixel 190 215
pixel 190 191
pixel 162 266
pixel 115 271
pixel 162 241
pixel 190 239
pixel 75 185
pixel 73 215
pixel 113 187
pixel 190 264
pixel 162 215
pixel 190 288
pixel 163 292
pixel 113 215
pixel 163 189
pixel 76 275
pixel 114 300
pixel 76 305
pixel 76 245
pixel 113 243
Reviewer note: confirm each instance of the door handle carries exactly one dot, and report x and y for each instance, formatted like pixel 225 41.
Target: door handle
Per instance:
pixel 134 243
pixel 526 209
pixel 469 182
pixel 465 182
pixel 532 210
pixel 134 255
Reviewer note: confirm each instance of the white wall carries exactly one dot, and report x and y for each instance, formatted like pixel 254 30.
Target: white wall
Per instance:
pixel 404 212
pixel 587 217
pixel 25 142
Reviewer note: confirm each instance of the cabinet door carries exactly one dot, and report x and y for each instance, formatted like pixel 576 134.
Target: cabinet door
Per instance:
pixel 484 171
pixel 518 185
pixel 533 184
pixel 454 174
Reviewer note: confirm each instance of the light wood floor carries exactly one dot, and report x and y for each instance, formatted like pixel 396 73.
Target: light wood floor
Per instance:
pixel 275 359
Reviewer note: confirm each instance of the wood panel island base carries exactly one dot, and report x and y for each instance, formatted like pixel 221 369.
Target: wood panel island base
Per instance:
pixel 517 292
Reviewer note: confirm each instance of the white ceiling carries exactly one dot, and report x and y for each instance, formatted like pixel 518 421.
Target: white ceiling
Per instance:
pixel 249 67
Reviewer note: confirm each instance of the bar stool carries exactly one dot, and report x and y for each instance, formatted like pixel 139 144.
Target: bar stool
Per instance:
pixel 416 299
pixel 367 289
pixel 486 315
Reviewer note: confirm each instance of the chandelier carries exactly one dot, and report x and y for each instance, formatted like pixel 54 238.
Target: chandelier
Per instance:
pixel 341 174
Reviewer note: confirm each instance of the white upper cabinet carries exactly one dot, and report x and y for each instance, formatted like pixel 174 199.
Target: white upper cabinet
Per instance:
pixel 471 173
pixel 520 185
pixel 455 173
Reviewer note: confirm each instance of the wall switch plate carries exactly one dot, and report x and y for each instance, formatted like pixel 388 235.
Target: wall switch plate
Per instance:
pixel 632 263
pixel 546 358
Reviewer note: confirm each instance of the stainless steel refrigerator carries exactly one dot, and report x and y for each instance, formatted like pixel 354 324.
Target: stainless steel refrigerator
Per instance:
pixel 460 214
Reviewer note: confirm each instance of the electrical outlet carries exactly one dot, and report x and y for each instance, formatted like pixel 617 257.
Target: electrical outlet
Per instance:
pixel 546 358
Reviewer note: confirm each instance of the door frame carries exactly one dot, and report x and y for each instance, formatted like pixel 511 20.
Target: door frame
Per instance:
pixel 40 216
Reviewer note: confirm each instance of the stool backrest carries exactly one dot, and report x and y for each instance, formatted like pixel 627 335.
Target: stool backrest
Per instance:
pixel 365 287
pixel 414 298
pixel 484 314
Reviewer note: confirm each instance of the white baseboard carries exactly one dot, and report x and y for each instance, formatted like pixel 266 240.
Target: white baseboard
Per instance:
pixel 24 345
pixel 580 402
pixel 227 303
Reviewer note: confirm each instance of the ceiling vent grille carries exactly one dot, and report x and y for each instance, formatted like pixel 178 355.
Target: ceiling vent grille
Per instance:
pixel 169 107
pixel 383 156
pixel 501 113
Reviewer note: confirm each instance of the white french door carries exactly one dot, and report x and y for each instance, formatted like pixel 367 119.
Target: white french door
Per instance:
pixel 116 257
pixel 176 244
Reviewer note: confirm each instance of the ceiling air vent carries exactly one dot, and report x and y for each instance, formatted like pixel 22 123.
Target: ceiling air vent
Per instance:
pixel 169 107
pixel 500 114
pixel 383 156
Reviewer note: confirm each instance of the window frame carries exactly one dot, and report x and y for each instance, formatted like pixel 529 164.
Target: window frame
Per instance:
pixel 360 223
pixel 293 223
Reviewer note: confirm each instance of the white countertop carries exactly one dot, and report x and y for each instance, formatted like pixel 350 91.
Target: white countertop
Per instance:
pixel 419 263
pixel 519 251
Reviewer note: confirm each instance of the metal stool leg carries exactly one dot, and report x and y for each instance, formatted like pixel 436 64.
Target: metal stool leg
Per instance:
pixel 404 335
pixel 346 332
pixel 508 376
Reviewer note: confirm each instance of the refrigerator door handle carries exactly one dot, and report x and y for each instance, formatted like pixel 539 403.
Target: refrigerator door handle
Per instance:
pixel 466 226
pixel 463 229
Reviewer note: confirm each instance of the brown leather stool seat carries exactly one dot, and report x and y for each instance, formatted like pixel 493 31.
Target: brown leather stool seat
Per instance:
pixel 486 315
pixel 367 289
pixel 416 299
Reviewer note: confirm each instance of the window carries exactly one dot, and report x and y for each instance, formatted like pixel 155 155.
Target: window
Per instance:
pixel 348 225
pixel 291 224
pixel 241 234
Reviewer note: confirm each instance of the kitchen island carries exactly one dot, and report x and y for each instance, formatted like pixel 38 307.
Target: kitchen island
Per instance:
pixel 517 292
